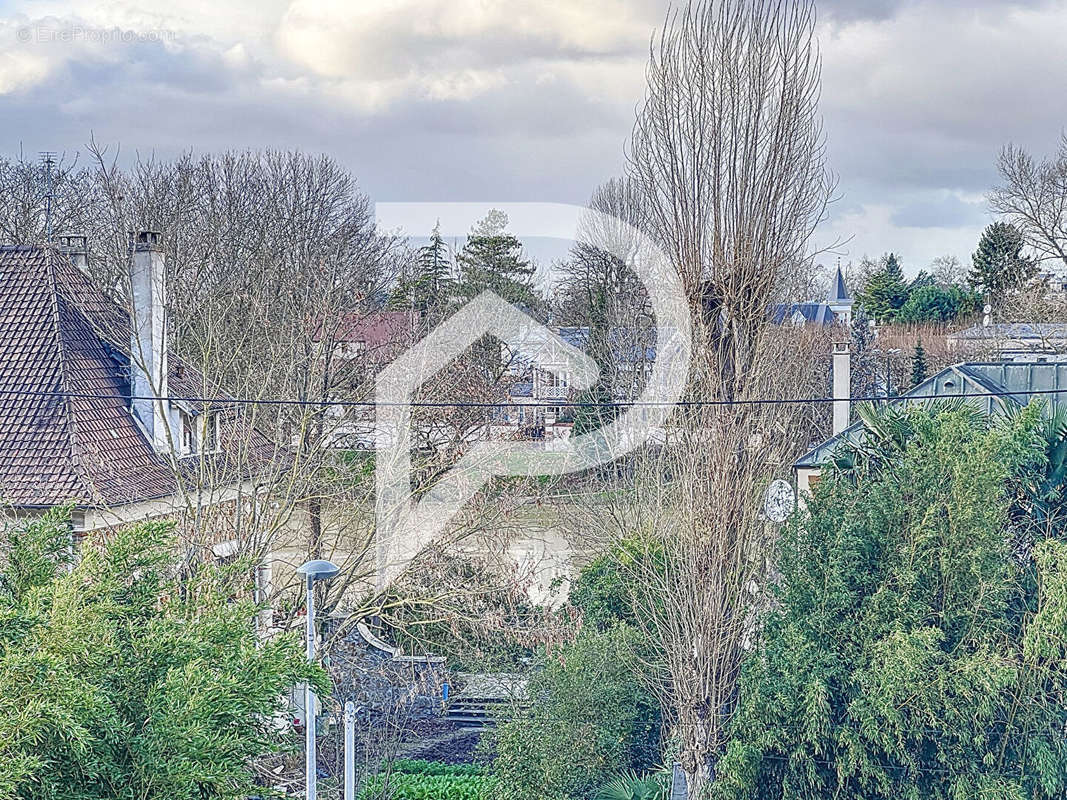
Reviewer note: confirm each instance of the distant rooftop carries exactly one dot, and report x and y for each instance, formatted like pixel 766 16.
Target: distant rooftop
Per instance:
pixel 815 312
pixel 1013 330
pixel 990 386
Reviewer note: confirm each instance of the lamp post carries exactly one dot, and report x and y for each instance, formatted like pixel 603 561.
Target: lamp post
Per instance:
pixel 312 571
pixel 889 354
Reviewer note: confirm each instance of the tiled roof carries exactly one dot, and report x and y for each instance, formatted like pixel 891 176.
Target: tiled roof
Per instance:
pixel 815 313
pixel 378 328
pixel 66 431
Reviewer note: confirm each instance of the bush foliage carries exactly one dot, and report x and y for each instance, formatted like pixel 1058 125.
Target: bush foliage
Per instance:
pixel 917 649
pixel 590 719
pixel 122 679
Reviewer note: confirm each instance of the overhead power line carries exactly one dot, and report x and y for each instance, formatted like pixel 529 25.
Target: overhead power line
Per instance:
pixel 623 404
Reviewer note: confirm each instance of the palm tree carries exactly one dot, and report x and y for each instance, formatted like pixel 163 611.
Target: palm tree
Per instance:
pixel 631 786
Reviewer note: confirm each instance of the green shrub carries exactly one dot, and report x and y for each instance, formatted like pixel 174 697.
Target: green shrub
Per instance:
pixel 414 766
pixel 406 786
pixel 604 589
pixel 938 304
pixel 129 674
pixel 600 593
pixel 916 649
pixel 590 719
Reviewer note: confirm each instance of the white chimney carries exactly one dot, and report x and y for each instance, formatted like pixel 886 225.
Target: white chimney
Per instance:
pixel 842 369
pixel 148 339
pixel 75 245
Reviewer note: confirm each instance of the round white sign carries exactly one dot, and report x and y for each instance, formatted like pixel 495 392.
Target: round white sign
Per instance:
pixel 779 501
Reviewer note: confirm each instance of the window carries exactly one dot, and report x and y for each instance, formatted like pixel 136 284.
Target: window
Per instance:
pixel 188 434
pixel 211 433
pixel 200 433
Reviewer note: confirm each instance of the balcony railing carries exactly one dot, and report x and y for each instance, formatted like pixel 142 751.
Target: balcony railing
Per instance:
pixel 552 392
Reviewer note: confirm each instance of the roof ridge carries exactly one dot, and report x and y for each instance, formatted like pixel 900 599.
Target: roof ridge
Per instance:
pixel 968 370
pixel 76 453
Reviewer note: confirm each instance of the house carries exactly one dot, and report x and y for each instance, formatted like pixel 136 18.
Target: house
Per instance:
pixel 363 343
pixel 835 310
pixel 95 410
pixel 1055 283
pixel 541 395
pixel 374 338
pixel 1012 341
pixel 989 386
pixel 539 391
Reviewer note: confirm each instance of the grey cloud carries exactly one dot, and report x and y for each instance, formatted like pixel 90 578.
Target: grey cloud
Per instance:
pixel 852 10
pixel 900 135
pixel 947 211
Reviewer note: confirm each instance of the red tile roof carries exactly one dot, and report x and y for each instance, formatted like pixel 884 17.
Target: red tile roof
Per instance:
pixel 66 430
pixel 378 328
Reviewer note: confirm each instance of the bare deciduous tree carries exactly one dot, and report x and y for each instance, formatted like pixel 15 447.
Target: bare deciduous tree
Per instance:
pixel 272 261
pixel 948 271
pixel 1032 195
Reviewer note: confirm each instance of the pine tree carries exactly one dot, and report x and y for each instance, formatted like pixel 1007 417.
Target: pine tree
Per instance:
pixel 492 259
pixel 885 292
pixel 919 367
pixel 892 268
pixel 430 288
pixel 998 264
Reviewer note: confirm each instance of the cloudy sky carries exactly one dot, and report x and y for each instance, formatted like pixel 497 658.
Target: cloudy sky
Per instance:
pixel 520 100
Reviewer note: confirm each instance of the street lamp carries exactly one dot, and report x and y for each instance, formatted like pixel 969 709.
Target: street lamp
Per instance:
pixel 312 571
pixel 889 354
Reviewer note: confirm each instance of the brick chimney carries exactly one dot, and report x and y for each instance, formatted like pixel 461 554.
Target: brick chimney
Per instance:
pixel 75 245
pixel 148 340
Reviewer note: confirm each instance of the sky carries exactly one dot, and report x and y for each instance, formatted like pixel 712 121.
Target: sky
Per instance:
pixel 534 100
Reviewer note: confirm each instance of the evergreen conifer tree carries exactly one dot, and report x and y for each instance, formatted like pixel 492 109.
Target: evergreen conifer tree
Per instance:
pixel 431 286
pixel 919 368
pixel 998 265
pixel 492 259
pixel 885 292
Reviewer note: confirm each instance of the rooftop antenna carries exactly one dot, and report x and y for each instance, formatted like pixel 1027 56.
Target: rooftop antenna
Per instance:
pixel 48 161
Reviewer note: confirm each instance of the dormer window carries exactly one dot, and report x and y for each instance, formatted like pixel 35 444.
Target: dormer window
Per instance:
pixel 211 436
pixel 188 434
pixel 200 433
